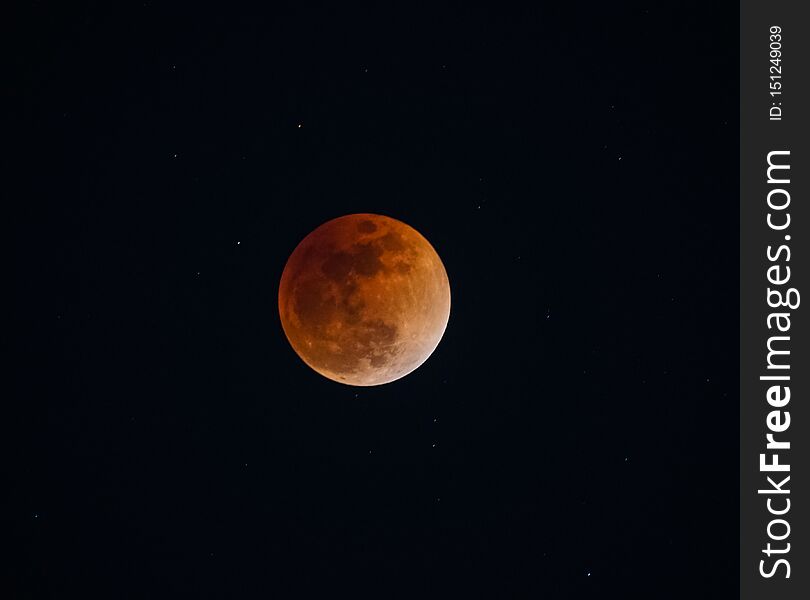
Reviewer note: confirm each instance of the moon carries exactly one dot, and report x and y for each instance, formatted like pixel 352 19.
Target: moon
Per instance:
pixel 364 299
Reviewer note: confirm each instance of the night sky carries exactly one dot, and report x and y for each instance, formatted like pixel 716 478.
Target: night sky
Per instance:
pixel 575 434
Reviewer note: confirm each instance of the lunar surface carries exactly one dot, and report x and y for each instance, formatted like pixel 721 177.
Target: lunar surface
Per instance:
pixel 364 299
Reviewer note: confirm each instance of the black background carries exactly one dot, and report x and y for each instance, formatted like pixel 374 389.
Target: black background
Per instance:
pixel 576 170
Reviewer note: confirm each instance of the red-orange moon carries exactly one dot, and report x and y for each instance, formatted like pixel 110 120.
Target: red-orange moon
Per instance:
pixel 364 299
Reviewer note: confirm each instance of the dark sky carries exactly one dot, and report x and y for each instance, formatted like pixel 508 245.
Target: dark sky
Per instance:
pixel 575 168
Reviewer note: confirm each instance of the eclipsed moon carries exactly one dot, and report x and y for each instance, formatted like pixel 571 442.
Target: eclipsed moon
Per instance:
pixel 364 299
